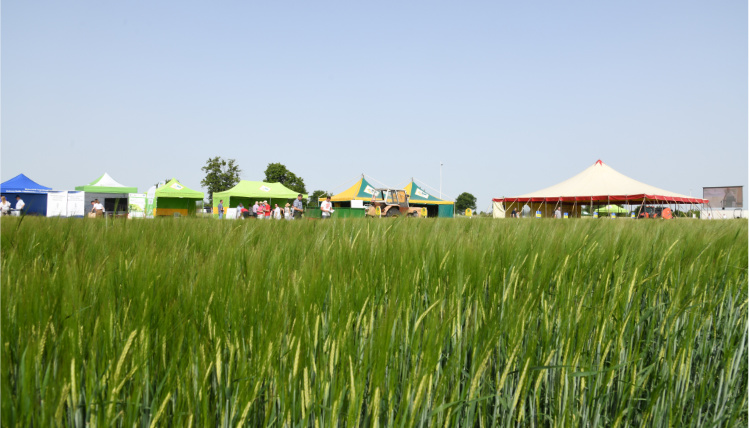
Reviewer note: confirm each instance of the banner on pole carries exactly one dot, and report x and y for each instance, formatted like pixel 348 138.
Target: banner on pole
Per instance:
pixel 150 202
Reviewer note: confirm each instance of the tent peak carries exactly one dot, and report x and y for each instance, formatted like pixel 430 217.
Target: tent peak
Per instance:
pixel 599 162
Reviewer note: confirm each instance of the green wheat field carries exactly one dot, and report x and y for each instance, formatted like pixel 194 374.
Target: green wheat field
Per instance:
pixel 372 322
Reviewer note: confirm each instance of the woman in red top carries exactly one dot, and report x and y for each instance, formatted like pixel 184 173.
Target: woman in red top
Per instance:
pixel 266 209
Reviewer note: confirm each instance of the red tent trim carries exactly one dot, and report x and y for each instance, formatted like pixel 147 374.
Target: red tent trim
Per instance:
pixel 612 198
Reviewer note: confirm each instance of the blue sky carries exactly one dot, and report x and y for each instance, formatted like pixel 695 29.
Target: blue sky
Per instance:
pixel 511 96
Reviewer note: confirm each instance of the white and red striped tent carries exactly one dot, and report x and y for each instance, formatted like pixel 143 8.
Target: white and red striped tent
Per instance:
pixel 599 183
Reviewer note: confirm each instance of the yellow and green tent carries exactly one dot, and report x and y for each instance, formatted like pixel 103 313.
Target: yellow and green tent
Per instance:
pixel 436 207
pixel 173 198
pixel 362 190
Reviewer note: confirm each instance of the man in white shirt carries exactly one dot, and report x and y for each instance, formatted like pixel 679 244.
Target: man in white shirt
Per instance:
pixel 327 208
pixel 98 207
pixel 19 203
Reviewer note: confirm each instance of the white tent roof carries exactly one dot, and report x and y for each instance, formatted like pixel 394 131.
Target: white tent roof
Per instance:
pixel 107 181
pixel 601 182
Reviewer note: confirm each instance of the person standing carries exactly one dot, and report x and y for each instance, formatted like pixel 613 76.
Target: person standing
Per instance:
pixel 4 206
pixel 220 209
pixel 277 212
pixel 19 203
pixel 266 209
pixel 298 208
pixel 98 208
pixel 514 213
pixel 327 208
pixel 287 212
pixel 558 213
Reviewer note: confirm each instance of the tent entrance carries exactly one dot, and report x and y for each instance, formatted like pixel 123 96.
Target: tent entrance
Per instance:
pixel 115 205
pixel 432 210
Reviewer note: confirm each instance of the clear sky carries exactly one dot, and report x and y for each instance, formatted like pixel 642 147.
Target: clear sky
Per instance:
pixel 511 96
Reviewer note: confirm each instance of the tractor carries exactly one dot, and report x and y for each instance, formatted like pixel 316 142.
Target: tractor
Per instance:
pixel 390 203
pixel 653 212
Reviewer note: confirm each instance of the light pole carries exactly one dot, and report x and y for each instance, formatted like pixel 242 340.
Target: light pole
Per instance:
pixel 441 179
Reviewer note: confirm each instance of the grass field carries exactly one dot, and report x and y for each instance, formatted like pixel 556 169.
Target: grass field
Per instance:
pixel 404 322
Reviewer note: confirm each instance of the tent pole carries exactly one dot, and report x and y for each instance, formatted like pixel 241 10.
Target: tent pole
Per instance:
pixel 509 208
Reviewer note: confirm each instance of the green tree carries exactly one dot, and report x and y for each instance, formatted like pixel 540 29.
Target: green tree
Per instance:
pixel 465 200
pixel 220 175
pixel 317 196
pixel 278 173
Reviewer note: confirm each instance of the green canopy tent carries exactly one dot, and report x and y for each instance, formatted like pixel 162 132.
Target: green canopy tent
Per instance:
pixel 174 198
pixel 436 207
pixel 109 192
pixel 608 209
pixel 247 192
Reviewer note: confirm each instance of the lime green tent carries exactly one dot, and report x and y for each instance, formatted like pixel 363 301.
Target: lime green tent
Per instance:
pixel 608 209
pixel 247 192
pixel 173 198
pixel 436 207
pixel 106 184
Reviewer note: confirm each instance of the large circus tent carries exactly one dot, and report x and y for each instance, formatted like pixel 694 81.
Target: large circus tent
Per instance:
pixel 597 184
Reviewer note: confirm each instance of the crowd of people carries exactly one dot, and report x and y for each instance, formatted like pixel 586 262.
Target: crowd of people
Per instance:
pixel 517 214
pixel 262 210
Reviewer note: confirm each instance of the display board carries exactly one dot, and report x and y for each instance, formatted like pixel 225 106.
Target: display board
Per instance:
pixel 724 197
pixel 57 204
pixel 65 204
pixel 76 206
pixel 136 205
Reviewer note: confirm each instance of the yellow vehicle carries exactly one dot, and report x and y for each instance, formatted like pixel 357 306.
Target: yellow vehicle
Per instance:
pixel 391 203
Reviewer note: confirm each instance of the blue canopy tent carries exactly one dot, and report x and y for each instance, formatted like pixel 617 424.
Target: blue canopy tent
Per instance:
pixel 32 193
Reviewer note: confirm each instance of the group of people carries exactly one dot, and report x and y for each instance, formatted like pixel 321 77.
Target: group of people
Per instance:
pixel 5 205
pixel 262 210
pixel 517 214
